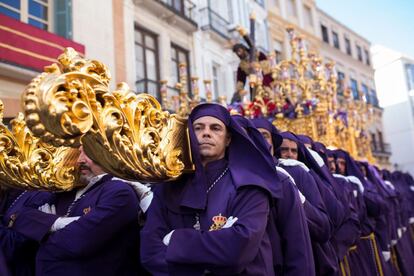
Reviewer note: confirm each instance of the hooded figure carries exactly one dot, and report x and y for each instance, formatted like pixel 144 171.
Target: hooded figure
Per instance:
pixel 287 226
pixel 214 219
pixel 366 258
pixel 324 252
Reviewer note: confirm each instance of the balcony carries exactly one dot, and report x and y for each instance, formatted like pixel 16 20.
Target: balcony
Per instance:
pixel 383 149
pixel 210 20
pixel 177 12
pixel 25 46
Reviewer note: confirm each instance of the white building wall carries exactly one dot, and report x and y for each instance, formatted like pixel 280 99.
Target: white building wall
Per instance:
pixel 93 27
pixel 398 114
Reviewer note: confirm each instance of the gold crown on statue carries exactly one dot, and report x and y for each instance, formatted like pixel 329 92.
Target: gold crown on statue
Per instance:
pixel 128 134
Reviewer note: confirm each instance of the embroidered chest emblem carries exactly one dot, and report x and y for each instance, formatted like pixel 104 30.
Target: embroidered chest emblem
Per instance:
pixel 218 222
pixel 86 210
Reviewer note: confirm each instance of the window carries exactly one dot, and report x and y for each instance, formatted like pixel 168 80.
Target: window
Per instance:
pixel 216 83
pixel 53 16
pixel 178 56
pixel 359 52
pixel 335 39
pixel 308 16
pixel 354 88
pixel 146 60
pixel 291 8
pixel 374 99
pixel 260 2
pixel 278 46
pixel 348 46
pixel 366 97
pixel 325 35
pixel 409 70
pixel 33 12
pixel 340 83
pixel 367 59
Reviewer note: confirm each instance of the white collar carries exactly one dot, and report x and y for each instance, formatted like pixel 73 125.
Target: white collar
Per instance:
pixel 92 182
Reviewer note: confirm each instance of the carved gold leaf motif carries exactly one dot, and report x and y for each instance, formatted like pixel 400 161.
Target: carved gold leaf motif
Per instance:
pixel 128 134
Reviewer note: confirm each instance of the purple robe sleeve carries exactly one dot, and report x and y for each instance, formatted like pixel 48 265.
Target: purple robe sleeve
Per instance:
pixel 33 223
pixel 10 240
pixel 294 234
pixel 315 210
pixel 117 207
pixel 335 209
pixel 231 248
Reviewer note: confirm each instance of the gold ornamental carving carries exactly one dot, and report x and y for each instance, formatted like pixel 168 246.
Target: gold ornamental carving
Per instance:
pixel 28 163
pixel 128 134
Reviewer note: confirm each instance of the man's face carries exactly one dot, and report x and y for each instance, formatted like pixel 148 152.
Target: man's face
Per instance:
pixel 268 137
pixel 341 163
pixel 241 53
pixel 212 137
pixel 87 168
pixel 332 164
pixel 364 170
pixel 289 149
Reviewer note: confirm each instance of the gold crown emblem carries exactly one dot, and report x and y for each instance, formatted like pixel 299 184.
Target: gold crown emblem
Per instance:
pixel 218 222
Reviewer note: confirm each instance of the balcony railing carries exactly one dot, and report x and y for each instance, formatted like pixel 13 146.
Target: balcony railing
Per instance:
pixel 378 148
pixel 184 8
pixel 210 20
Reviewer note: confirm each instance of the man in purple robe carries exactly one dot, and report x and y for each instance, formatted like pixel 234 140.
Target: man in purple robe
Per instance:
pixel 213 220
pixel 91 230
pixel 287 223
pixel 292 148
pixel 366 258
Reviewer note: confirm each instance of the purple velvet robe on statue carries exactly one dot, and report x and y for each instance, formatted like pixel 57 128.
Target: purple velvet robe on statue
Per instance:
pixel 104 241
pixel 242 192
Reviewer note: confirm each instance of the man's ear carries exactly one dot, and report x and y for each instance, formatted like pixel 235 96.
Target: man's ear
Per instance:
pixel 228 138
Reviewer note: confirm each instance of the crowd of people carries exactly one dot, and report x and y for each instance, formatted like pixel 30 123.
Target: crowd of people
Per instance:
pixel 259 202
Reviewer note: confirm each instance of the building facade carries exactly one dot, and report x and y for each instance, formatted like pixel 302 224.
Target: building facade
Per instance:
pixel 394 78
pixel 351 54
pixel 144 42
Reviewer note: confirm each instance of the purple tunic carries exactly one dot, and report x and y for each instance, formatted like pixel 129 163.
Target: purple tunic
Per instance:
pixel 104 241
pixel 315 210
pixel 240 249
pixel 289 235
pixel 4 271
pixel 19 251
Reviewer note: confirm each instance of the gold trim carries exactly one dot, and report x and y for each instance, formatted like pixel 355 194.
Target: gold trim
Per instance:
pixel 22 51
pixel 39 40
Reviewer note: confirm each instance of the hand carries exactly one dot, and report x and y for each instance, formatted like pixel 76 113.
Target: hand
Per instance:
pixel 230 221
pixel 62 222
pixel 48 209
pixel 167 238
pixel 140 189
pixel 387 255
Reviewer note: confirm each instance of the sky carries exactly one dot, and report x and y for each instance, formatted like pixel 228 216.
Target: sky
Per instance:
pixel 386 22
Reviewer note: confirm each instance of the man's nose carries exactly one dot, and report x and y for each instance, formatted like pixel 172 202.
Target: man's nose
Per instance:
pixel 206 132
